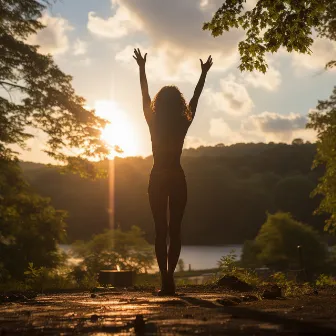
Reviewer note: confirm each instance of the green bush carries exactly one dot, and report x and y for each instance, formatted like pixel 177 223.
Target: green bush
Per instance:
pixel 126 249
pixel 228 266
pixel 290 288
pixel 325 280
pixel 276 245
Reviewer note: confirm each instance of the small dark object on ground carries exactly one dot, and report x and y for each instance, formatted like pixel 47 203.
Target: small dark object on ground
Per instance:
pixel 316 292
pixel 139 324
pixel 272 293
pixel 94 318
pixel 188 316
pixel 232 282
pixel 14 297
pixel 93 296
pixel 227 302
pixel 249 298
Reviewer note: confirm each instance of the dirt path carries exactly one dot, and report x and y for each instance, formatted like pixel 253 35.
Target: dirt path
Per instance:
pixel 128 313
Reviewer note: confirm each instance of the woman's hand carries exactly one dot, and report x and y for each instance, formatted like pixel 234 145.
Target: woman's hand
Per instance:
pixel 138 57
pixel 207 65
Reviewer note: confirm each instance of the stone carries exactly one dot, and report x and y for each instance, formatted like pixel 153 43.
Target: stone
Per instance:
pixel 272 293
pixel 226 302
pixel 232 282
pixel 139 324
pixel 94 318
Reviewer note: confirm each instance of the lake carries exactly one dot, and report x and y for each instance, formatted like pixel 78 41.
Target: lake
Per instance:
pixel 199 257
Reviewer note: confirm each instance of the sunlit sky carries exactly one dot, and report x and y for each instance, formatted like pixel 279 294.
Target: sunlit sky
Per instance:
pixel 93 40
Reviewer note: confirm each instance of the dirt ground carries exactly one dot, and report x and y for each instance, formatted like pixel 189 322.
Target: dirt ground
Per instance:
pixel 193 311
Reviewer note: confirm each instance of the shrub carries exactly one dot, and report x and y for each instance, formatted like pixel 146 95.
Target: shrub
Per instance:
pixel 276 245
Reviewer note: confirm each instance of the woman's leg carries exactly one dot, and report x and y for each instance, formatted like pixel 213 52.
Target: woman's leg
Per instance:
pixel 177 204
pixel 158 199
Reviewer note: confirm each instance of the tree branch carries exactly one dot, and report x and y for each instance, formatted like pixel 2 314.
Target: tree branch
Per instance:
pixel 12 85
pixel 9 94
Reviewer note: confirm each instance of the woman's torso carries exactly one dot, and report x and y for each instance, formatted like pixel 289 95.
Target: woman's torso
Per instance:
pixel 167 144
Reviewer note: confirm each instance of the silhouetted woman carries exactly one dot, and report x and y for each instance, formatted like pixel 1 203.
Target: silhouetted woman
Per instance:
pixel 168 117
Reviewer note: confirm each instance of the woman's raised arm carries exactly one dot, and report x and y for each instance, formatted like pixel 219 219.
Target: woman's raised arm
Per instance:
pixel 146 100
pixel 199 87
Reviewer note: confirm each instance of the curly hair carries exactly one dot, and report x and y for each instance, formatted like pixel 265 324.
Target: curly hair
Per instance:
pixel 169 104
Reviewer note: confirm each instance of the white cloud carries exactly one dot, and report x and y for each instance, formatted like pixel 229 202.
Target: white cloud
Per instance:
pixel 174 31
pixel 53 39
pixel 276 127
pixel 122 23
pixel 323 51
pixel 195 142
pixel 80 47
pixel 232 99
pixel 160 63
pixel 220 130
pixel 270 81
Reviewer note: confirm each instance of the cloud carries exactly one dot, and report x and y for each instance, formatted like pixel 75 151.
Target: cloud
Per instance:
pixel 276 127
pixel 173 30
pixel 270 81
pixel 122 23
pixel 80 47
pixel 233 98
pixel 220 130
pixel 264 127
pixel 323 51
pixel 195 142
pixel 53 39
pixel 160 63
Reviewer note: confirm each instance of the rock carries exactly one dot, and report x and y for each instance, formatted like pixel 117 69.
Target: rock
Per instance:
pixel 272 293
pixel 232 282
pixel 94 318
pixel 226 302
pixel 139 324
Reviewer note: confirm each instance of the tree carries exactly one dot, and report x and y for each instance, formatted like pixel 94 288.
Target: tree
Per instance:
pixel 126 249
pixel 297 142
pixel 290 24
pixel 324 122
pixel 45 98
pixel 276 244
pixel 180 265
pixel 271 25
pixel 30 229
pixel 291 194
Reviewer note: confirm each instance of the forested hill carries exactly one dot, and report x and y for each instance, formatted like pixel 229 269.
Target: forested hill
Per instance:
pixel 230 190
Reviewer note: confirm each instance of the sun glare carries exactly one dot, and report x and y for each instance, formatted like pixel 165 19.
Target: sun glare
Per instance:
pixel 120 132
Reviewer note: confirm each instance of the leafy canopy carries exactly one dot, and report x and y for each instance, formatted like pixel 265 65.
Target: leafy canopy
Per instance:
pixel 323 120
pixel 273 24
pixel 30 229
pixel 36 94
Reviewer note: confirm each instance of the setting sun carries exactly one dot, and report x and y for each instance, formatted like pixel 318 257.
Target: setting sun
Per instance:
pixel 120 132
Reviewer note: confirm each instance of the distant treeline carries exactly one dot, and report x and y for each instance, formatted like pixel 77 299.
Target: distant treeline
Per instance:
pixel 230 191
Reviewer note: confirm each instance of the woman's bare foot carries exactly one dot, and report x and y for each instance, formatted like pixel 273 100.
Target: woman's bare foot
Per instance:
pixel 167 286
